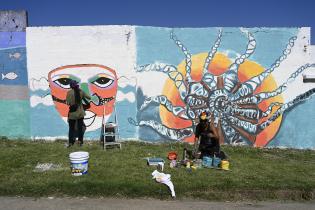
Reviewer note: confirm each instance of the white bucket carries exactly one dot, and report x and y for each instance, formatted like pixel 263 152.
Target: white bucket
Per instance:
pixel 79 163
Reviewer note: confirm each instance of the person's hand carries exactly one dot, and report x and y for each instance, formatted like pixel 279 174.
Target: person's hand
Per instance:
pixel 196 143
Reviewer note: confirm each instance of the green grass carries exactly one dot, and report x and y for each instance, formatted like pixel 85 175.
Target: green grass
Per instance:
pixel 256 174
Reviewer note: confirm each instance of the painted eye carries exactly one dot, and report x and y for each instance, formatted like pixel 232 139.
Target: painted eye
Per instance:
pixel 63 82
pixel 103 82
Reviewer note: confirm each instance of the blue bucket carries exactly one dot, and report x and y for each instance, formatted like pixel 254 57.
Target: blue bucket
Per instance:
pixel 206 161
pixel 216 162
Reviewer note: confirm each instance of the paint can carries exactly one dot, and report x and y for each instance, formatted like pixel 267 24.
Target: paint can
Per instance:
pixel 225 165
pixel 160 166
pixel 216 162
pixel 198 163
pixel 187 164
pixel 207 161
pixel 173 164
pixel 79 163
pixel 172 155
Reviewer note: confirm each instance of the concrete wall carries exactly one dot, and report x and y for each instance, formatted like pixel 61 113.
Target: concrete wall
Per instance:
pixel 14 98
pixel 158 80
pixel 13 21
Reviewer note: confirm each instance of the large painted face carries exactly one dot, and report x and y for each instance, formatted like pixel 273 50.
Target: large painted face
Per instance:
pixel 100 82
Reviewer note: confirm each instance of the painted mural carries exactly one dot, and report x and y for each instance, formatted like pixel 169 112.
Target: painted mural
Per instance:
pixel 100 82
pixel 100 59
pixel 14 103
pixel 229 73
pixel 156 81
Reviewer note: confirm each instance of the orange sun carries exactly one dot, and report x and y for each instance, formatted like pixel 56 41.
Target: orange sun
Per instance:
pixel 218 66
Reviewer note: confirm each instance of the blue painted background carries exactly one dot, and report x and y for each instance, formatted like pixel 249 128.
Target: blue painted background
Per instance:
pixel 15 113
pixel 153 44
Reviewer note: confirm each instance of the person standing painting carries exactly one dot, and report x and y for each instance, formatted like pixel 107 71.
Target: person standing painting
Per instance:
pixel 76 112
pixel 98 81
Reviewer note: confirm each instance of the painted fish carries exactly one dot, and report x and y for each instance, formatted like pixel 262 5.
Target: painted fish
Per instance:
pixel 10 76
pixel 16 55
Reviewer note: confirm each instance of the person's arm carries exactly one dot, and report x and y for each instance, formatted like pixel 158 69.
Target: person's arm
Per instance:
pixel 214 136
pixel 214 130
pixel 68 98
pixel 197 134
pixel 86 95
pixel 68 102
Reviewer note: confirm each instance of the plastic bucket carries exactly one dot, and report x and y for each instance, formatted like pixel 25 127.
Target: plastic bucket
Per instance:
pixel 79 163
pixel 207 161
pixel 198 163
pixel 172 155
pixel 225 164
pixel 216 161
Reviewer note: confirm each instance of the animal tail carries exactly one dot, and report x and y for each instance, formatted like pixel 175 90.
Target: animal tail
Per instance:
pixel 2 76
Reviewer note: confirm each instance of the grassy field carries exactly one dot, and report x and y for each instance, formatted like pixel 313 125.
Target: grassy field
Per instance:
pixel 256 174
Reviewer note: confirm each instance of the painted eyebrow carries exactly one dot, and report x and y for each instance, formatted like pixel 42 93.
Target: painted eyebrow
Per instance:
pixel 111 76
pixel 70 76
pixel 101 75
pixel 61 76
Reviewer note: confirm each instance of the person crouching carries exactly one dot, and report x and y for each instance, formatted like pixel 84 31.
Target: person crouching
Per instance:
pixel 209 144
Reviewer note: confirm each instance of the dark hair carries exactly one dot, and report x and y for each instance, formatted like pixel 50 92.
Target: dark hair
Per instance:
pixel 77 96
pixel 74 84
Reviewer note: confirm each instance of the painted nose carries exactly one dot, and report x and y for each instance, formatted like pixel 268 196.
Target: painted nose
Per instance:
pixel 85 88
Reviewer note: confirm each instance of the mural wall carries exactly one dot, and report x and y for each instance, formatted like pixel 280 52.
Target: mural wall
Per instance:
pixel 248 79
pixel 156 82
pixel 100 58
pixel 14 99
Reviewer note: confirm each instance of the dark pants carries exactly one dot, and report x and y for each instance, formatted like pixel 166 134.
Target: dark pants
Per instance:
pixel 76 130
pixel 209 150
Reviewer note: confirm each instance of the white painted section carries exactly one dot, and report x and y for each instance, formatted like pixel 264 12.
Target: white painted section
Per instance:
pixel 311 73
pixel 152 83
pixel 126 96
pixel 36 100
pixel 52 47
pixel 300 55
pixel 38 84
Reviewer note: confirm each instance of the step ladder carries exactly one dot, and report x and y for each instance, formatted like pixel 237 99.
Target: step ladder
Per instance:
pixel 110 131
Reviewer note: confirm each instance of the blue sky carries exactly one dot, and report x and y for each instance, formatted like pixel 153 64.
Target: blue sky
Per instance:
pixel 168 13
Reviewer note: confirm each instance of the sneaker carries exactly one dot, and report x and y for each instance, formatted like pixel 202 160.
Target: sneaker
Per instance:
pixel 69 145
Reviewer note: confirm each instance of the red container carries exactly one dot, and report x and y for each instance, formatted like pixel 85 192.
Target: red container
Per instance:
pixel 172 155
